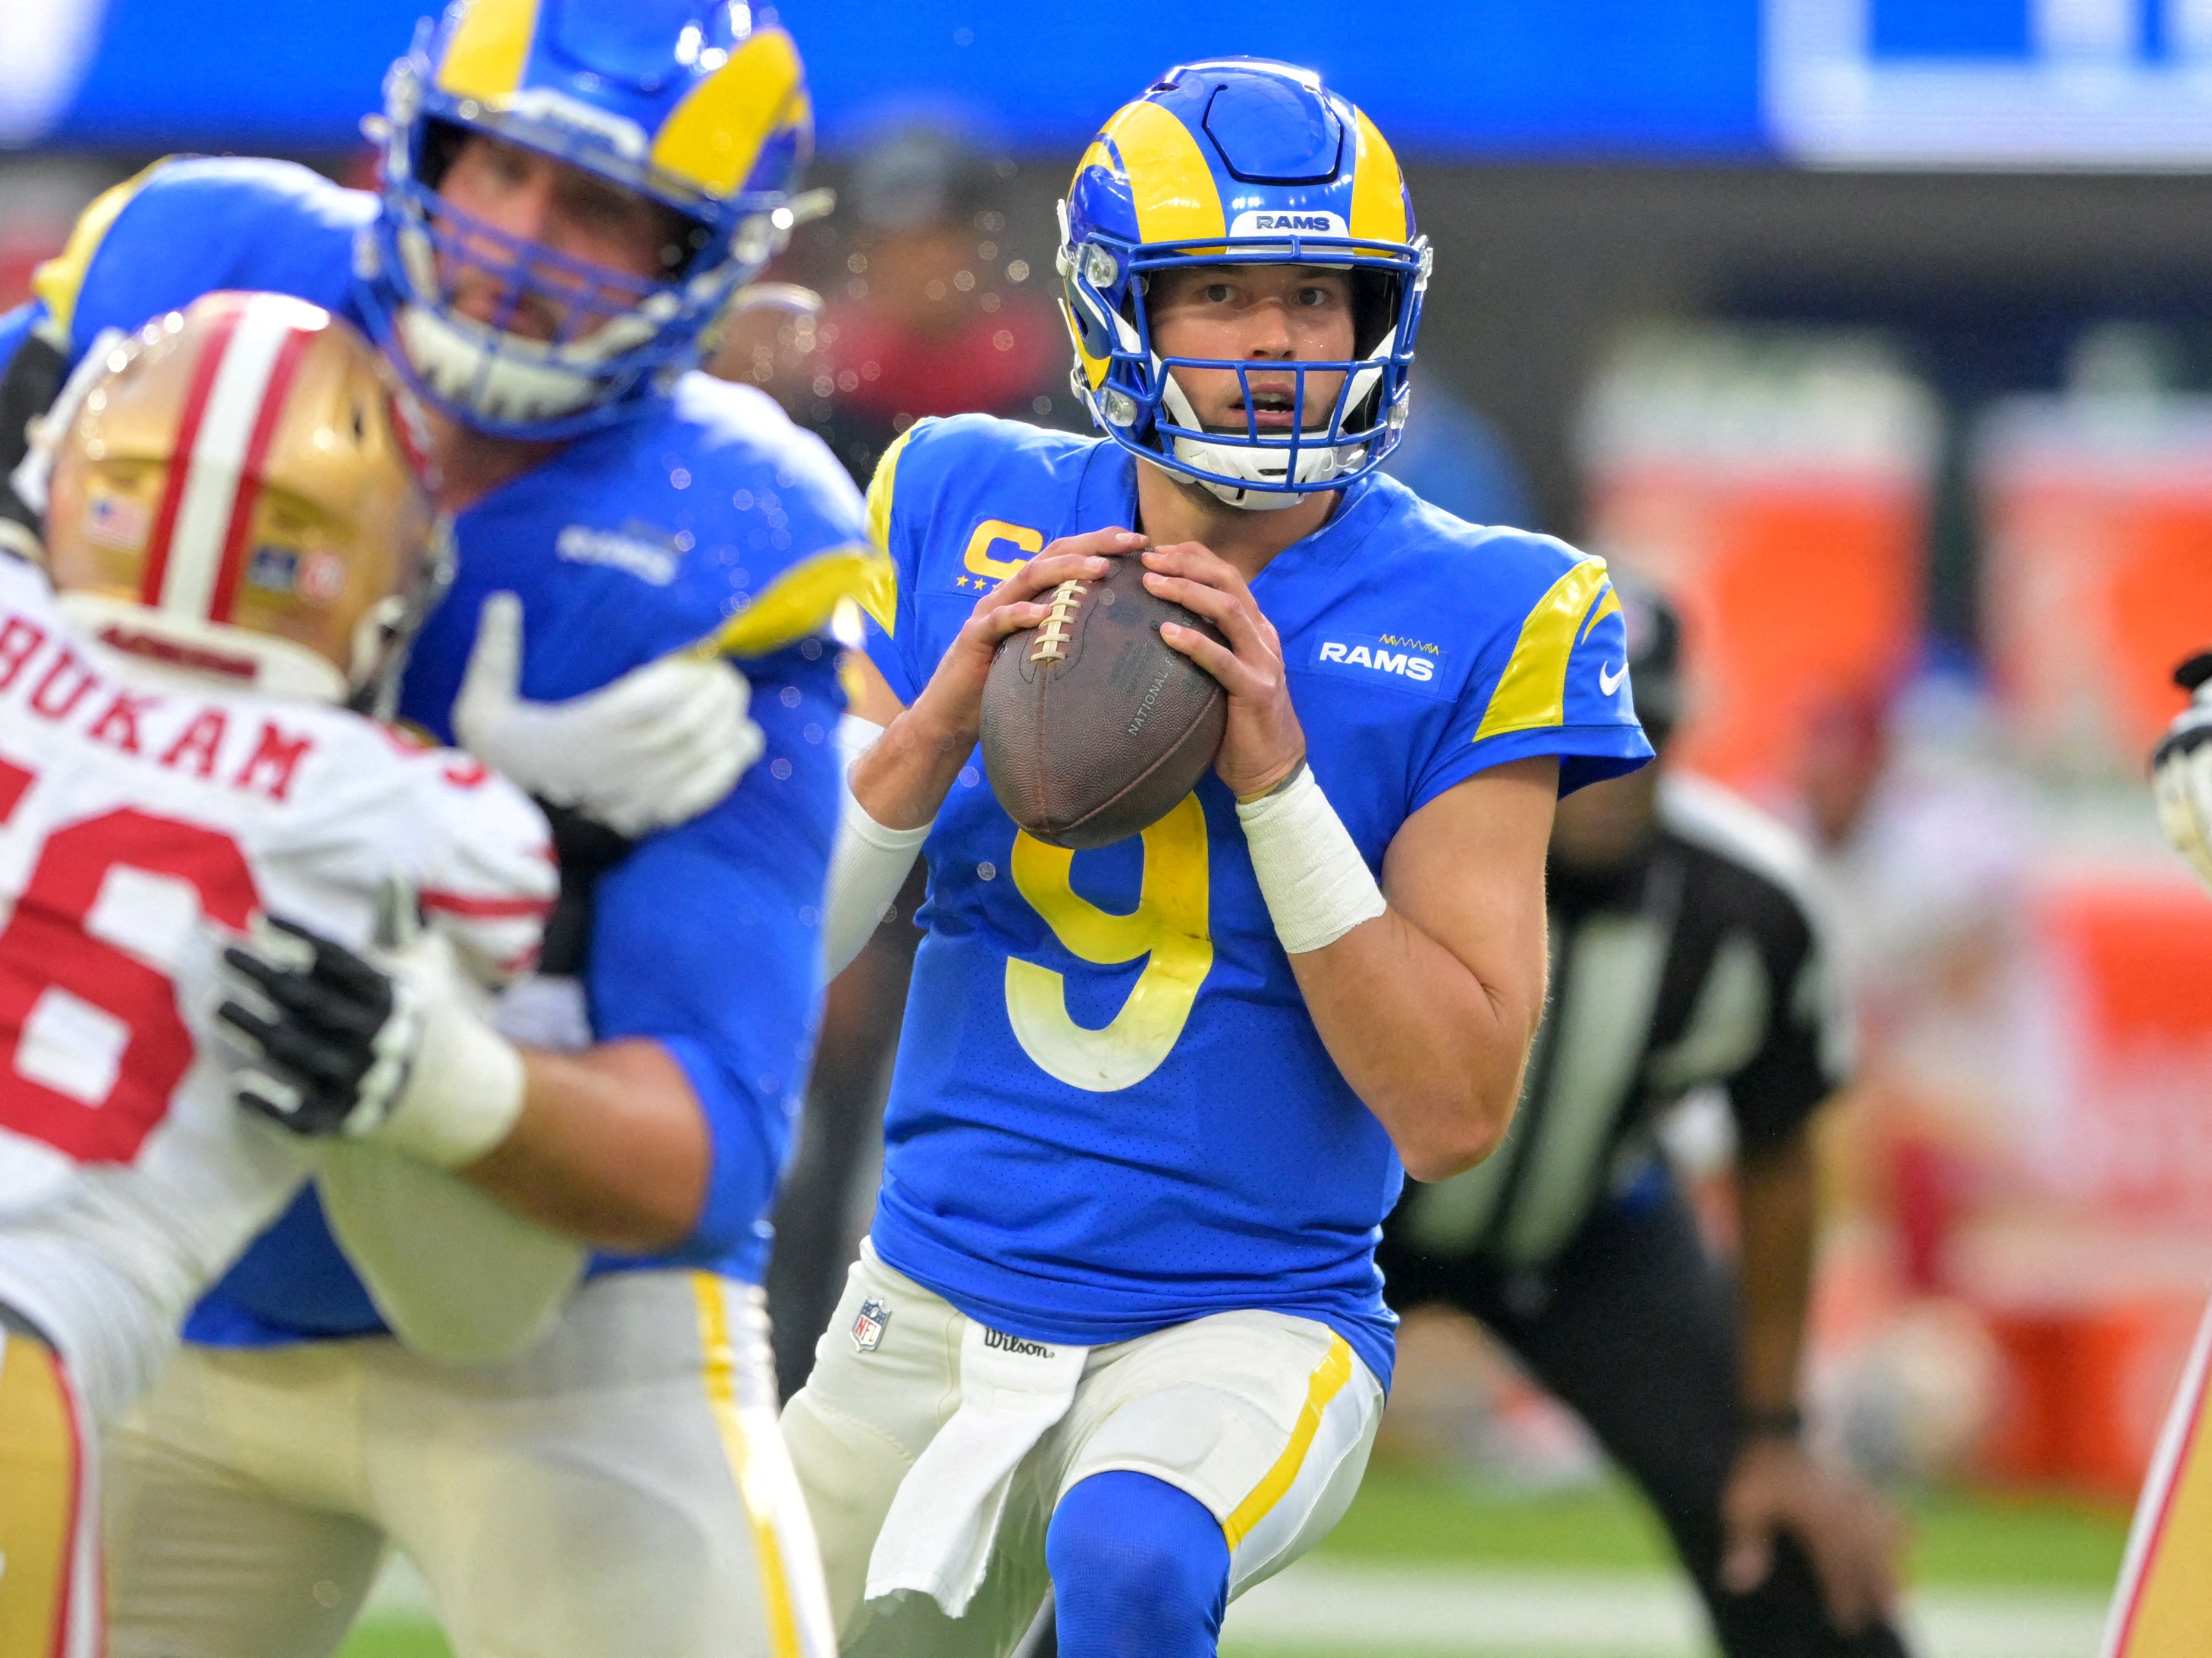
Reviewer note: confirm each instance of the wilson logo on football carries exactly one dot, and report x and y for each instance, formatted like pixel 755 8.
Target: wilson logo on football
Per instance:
pixel 1376 657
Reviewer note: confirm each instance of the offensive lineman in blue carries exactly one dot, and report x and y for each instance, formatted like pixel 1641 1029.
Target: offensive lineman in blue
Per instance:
pixel 573 194
pixel 1118 1326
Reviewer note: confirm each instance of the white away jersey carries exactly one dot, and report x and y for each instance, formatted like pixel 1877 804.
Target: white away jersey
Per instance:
pixel 141 822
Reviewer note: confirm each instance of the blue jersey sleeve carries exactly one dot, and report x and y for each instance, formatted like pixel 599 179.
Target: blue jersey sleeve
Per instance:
pixel 185 227
pixel 1556 684
pixel 708 940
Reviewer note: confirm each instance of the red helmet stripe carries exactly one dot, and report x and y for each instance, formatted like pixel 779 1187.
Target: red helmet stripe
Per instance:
pixel 248 495
pixel 180 460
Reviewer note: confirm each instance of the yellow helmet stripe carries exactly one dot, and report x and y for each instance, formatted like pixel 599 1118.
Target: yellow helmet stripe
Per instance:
pixel 1173 189
pixel 713 137
pixel 1532 692
pixel 488 52
pixel 1094 368
pixel 1378 188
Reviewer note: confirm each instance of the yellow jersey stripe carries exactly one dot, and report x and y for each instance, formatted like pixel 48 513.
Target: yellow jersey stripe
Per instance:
pixel 880 485
pixel 489 52
pixel 1170 184
pixel 40 1474
pixel 720 1365
pixel 1608 605
pixel 1326 1381
pixel 58 281
pixel 713 137
pixel 1378 188
pixel 801 601
pixel 1532 692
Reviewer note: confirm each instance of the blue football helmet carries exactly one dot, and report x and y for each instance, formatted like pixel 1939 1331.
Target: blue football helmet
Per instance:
pixel 688 103
pixel 1241 161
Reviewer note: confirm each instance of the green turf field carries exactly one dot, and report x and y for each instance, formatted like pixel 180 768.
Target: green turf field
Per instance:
pixel 1408 1517
pixel 1412 1519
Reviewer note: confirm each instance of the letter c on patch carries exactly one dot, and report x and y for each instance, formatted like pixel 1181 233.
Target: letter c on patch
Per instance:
pixel 990 533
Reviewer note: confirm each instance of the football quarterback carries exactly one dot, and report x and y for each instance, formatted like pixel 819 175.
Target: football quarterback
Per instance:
pixel 1118 1327
pixel 239 542
pixel 572 196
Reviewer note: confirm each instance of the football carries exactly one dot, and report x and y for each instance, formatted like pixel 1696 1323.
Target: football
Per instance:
pixel 1093 725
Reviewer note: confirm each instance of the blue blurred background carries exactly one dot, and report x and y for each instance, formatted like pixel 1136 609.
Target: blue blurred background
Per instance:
pixel 1921 81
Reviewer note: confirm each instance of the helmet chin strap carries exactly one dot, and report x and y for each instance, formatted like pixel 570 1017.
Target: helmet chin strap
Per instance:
pixel 1318 464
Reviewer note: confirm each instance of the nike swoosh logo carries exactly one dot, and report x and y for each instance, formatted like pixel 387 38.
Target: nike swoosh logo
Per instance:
pixel 1610 682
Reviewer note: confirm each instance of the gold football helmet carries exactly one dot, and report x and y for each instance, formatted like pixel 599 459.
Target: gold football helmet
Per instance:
pixel 242 492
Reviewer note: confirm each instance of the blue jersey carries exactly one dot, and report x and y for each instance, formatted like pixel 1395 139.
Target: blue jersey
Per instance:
pixel 705 512
pixel 1111 1111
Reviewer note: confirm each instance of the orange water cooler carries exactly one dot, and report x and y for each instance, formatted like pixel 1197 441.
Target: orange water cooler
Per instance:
pixel 2097 569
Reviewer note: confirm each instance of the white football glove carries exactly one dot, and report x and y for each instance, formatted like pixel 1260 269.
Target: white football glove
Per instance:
pixel 2181 770
pixel 384 1046
pixel 657 747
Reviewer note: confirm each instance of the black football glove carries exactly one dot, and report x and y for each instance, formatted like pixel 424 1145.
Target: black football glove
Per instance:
pixel 330 1038
pixel 383 1046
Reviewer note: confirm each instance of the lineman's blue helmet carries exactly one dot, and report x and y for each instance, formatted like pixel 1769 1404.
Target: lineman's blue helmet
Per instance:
pixel 1241 161
pixel 697 106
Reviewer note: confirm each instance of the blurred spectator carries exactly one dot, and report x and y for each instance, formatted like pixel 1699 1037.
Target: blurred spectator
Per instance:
pixel 39 199
pixel 1927 846
pixel 928 314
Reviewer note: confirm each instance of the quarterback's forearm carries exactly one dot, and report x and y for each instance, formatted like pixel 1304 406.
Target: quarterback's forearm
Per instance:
pixel 1777 1205
pixel 611 1147
pixel 904 777
pixel 1429 1006
pixel 1432 1050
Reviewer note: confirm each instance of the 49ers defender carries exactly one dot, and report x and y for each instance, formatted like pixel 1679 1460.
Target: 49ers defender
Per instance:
pixel 240 543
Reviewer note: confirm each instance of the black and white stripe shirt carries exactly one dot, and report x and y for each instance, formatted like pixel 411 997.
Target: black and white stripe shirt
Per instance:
pixel 1700 965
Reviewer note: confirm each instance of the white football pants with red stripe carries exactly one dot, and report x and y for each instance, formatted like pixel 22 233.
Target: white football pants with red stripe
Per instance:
pixel 2163 1607
pixel 50 1601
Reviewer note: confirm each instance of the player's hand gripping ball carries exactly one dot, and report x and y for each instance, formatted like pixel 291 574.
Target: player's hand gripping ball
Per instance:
pixel 1093 726
pixel 2181 770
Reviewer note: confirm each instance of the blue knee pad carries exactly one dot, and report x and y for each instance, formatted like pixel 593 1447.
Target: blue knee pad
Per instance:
pixel 1139 1570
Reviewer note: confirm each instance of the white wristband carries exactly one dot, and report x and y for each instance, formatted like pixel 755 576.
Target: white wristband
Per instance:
pixel 1317 886
pixel 867 864
pixel 463 1094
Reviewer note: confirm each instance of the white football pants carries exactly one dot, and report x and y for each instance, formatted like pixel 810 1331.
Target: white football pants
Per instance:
pixel 1265 1419
pixel 619 1492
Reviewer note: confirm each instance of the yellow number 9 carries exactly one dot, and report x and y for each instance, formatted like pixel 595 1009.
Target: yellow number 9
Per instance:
pixel 1169 926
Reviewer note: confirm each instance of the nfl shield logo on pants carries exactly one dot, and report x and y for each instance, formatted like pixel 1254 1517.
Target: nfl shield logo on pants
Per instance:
pixel 868 1327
